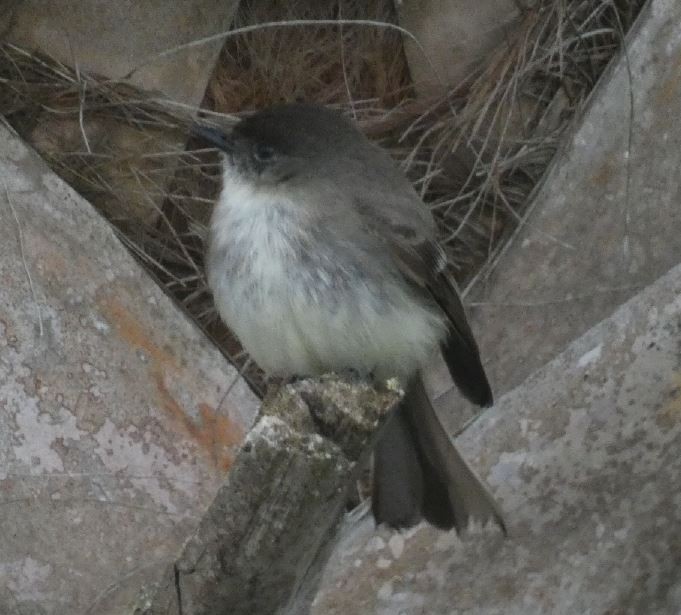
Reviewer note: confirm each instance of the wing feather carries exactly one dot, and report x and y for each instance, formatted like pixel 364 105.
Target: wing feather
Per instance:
pixel 423 263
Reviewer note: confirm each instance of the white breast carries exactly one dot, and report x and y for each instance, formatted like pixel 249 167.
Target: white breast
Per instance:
pixel 283 325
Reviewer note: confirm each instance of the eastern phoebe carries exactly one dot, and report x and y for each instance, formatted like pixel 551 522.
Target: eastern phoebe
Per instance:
pixel 323 258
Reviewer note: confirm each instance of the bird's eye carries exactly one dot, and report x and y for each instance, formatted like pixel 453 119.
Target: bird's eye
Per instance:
pixel 264 153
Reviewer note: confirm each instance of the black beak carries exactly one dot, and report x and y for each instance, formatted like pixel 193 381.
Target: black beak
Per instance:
pixel 214 136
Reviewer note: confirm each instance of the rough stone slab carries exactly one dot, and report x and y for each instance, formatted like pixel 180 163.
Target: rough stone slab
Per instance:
pixel 114 434
pixel 112 38
pixel 565 271
pixel 455 37
pixel 606 221
pixel 284 498
pixel 584 458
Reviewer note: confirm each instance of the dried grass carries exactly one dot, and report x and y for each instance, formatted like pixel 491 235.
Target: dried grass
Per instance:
pixel 323 63
pixel 474 154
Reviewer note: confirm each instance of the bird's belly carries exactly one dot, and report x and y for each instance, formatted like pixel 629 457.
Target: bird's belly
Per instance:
pixel 289 328
pixel 302 309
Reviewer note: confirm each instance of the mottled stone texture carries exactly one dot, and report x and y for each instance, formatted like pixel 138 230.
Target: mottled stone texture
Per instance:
pixel 266 531
pixel 115 432
pixel 584 458
pixel 129 480
pixel 113 38
pixel 605 223
pixel 584 455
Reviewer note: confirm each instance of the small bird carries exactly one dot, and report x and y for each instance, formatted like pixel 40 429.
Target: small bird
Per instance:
pixel 323 258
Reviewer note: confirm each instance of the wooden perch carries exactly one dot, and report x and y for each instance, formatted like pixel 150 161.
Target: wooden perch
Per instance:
pixel 284 496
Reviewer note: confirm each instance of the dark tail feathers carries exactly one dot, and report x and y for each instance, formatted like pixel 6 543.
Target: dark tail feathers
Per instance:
pixel 418 473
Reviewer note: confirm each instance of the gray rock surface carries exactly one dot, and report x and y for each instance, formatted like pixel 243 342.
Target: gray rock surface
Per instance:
pixel 607 219
pixel 115 432
pixel 283 500
pixel 455 37
pixel 583 455
pixel 130 482
pixel 584 458
pixel 113 38
pixel 604 224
